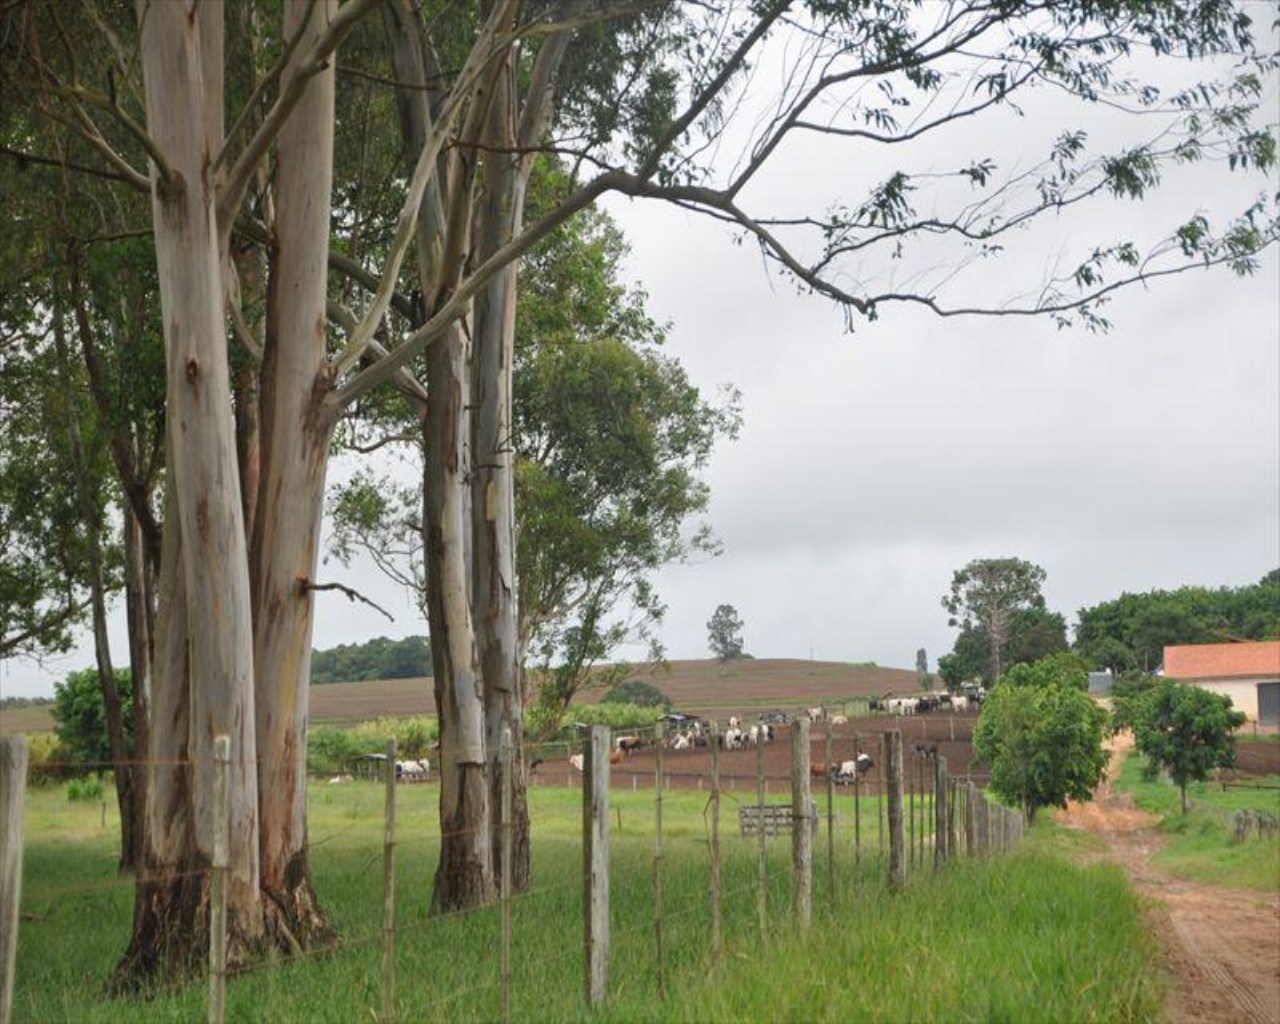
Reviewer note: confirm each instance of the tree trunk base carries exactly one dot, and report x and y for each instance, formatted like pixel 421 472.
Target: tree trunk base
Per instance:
pixel 170 943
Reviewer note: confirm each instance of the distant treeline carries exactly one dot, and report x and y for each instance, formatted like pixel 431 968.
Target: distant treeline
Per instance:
pixel 377 659
pixel 24 702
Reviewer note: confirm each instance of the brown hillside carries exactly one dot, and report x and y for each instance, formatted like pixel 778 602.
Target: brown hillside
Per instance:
pixel 693 686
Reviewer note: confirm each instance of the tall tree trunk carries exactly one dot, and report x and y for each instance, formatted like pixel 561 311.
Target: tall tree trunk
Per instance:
pixel 140 608
pixel 182 61
pixel 492 480
pixel 294 455
pixel 464 875
pixel 113 706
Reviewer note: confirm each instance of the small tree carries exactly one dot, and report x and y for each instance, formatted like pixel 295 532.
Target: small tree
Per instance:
pixel 1061 669
pixel 1042 743
pixel 724 633
pixel 80 711
pixel 639 693
pixel 1186 731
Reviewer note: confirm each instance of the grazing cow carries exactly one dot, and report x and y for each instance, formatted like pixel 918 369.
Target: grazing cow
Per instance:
pixel 839 719
pixel 576 761
pixel 848 771
pixel 412 771
pixel 818 769
pixel 817 714
pixel 733 739
pixel 734 723
pixel 533 765
pixel 627 744
pixel 902 705
pixel 337 779
pixel 959 704
pixel 681 742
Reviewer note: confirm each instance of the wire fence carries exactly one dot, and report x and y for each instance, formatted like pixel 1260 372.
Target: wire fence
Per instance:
pixel 901 814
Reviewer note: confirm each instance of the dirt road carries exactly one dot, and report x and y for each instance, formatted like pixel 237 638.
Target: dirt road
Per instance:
pixel 1221 946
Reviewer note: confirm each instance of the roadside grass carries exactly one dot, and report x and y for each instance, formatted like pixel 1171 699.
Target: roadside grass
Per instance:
pixel 1027 937
pixel 1202 845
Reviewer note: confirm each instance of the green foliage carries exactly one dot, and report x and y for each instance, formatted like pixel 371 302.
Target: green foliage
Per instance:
pixel 724 633
pixel 87 790
pixel 1061 669
pixel 1127 692
pixel 615 716
pixel 1042 743
pixel 413 735
pixel 639 693
pixel 380 658
pixel 1130 633
pixel 1000 611
pixel 48 761
pixel 1185 731
pixel 81 715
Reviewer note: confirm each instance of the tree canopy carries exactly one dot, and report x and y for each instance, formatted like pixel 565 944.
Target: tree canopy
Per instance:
pixel 1043 744
pixel 1130 632
pixel 992 601
pixel 380 658
pixel 1184 730
pixel 724 633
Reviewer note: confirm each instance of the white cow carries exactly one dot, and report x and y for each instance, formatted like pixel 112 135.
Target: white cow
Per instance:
pixel 839 719
pixel 903 705
pixel 576 762
pixel 959 703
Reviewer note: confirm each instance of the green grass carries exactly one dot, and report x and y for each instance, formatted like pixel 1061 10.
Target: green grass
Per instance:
pixel 1202 844
pixel 1028 937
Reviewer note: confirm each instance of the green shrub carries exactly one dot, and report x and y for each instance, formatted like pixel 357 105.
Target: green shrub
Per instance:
pixel 331 750
pixel 414 736
pixel 88 791
pixel 48 761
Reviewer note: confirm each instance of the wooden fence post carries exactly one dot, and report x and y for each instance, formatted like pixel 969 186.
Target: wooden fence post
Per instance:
pixel 940 837
pixel 762 871
pixel 507 756
pixel 595 862
pixel 882 801
pixel 657 863
pixel 982 824
pixel 717 932
pixel 897 836
pixel 970 819
pixel 218 896
pixel 389 886
pixel 831 833
pixel 911 814
pixel 801 823
pixel 13 792
pixel 857 808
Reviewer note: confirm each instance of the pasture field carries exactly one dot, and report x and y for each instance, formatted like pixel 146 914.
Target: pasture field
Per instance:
pixel 1202 845
pixel 1029 937
pixel 18 721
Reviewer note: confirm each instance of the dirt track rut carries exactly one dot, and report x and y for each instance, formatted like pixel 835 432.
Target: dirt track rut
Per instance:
pixel 1222 946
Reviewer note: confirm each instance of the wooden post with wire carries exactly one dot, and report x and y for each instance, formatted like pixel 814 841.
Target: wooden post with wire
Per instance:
pixel 507 756
pixel 801 823
pixel 218 882
pixel 389 885
pixel 13 792
pixel 762 870
pixel 897 836
pixel 595 868
pixel 831 823
pixel 657 864
pixel 941 839
pixel 717 927
pixel 857 807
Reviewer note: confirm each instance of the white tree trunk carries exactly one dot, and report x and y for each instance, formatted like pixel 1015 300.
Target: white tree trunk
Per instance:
pixel 182 60
pixel 293 459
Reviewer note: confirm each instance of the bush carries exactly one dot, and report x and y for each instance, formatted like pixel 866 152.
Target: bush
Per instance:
pixel 48 761
pixel 639 693
pixel 414 736
pixel 331 750
pixel 87 791
pixel 80 711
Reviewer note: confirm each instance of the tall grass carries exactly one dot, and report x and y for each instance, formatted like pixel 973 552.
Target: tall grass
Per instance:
pixel 1202 845
pixel 1027 937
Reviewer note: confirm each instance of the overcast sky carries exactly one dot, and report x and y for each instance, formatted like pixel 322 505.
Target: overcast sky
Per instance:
pixel 872 465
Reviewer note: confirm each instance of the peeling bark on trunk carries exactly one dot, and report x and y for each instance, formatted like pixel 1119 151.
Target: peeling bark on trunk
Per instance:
pixel 182 61
pixel 294 456
pixel 464 876
pixel 493 485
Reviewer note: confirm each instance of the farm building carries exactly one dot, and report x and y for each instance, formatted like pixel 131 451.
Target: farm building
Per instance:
pixel 1248 673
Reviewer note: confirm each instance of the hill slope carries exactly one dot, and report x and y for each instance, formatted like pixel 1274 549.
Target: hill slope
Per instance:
pixel 693 686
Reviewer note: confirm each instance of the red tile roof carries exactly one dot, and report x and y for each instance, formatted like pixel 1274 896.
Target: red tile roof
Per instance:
pixel 1221 661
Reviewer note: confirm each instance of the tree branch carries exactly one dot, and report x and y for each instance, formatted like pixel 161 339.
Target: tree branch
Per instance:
pixel 305 585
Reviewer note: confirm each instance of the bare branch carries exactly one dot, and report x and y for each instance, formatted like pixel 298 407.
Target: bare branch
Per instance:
pixel 306 586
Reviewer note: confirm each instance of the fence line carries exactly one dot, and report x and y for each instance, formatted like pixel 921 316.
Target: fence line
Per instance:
pixel 954 818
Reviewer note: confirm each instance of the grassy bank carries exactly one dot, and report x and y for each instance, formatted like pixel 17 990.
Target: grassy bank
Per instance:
pixel 1028 938
pixel 1202 845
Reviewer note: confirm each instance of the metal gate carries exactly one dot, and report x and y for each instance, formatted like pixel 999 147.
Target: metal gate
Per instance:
pixel 1269 703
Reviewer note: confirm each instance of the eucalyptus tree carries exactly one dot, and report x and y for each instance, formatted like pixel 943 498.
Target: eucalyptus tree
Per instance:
pixel 641 98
